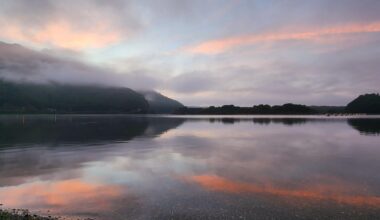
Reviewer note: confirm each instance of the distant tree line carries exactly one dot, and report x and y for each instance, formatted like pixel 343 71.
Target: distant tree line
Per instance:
pixel 288 109
pixel 364 104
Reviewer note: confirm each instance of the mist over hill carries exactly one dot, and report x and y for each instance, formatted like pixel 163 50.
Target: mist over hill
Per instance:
pixel 34 81
pixel 21 64
pixel 160 104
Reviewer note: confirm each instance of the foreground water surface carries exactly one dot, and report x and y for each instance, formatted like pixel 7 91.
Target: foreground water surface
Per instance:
pixel 161 167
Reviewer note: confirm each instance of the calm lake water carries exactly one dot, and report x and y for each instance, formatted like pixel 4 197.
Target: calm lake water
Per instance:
pixel 135 167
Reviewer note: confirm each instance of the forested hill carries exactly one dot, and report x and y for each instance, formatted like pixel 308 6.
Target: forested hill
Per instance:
pixel 59 98
pixel 367 103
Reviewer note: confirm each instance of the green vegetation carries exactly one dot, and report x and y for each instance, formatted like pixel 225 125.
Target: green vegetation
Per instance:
pixel 58 98
pixel 21 214
pixel 368 104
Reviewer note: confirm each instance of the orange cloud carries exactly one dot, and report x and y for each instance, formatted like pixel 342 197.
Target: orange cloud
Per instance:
pixel 221 45
pixel 63 34
pixel 326 192
pixel 68 195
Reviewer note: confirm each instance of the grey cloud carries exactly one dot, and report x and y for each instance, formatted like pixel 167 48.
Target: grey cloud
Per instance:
pixel 332 73
pixel 21 64
pixel 344 11
pixel 184 10
pixel 329 78
pixel 255 17
pixel 32 12
pixel 294 13
pixel 84 12
pixel 193 82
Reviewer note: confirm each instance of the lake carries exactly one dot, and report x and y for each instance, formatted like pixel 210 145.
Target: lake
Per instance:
pixel 115 167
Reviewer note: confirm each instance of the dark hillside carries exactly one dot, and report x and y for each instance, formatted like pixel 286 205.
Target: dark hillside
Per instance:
pixel 51 98
pixel 368 103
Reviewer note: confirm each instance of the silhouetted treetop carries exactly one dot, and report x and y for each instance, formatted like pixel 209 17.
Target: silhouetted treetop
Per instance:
pixel 368 103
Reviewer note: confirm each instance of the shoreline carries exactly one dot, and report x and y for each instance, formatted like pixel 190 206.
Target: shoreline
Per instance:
pixel 22 214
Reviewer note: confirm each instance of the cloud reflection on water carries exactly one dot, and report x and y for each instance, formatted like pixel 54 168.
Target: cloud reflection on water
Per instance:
pixel 334 193
pixel 136 169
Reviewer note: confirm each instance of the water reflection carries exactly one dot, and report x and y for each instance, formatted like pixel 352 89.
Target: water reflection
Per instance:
pixel 18 130
pixel 336 193
pixel 122 167
pixel 366 126
pixel 68 194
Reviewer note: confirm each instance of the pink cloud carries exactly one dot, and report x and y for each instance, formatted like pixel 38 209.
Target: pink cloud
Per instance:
pixel 224 44
pixel 63 34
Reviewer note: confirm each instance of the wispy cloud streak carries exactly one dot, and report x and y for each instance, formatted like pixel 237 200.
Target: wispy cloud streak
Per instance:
pixel 225 44
pixel 63 35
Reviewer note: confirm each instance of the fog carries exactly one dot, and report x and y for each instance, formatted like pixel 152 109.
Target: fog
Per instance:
pixel 20 64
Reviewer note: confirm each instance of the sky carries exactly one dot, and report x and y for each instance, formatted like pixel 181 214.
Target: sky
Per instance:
pixel 200 52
